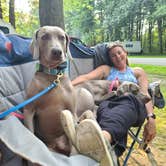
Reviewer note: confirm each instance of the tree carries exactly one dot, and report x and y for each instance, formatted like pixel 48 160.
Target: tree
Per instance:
pixel 11 12
pixel 51 13
pixel 1 15
pixel 160 15
pixel 27 23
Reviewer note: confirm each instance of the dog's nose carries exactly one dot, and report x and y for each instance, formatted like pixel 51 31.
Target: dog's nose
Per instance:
pixel 56 53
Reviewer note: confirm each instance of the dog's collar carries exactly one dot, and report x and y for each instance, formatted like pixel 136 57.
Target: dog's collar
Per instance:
pixel 60 69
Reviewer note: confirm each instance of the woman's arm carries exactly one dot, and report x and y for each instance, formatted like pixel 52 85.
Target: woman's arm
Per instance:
pixel 150 126
pixel 100 72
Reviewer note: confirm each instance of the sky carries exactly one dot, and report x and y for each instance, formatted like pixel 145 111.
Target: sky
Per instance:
pixel 22 5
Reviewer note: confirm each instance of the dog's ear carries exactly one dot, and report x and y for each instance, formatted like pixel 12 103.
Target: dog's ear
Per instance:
pixel 67 48
pixel 67 43
pixel 34 47
pixel 144 98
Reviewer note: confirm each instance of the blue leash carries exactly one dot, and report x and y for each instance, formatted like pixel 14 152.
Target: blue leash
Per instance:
pixel 17 107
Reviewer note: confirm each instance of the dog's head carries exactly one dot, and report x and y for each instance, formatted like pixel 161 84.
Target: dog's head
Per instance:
pixel 132 88
pixel 50 45
pixel 127 87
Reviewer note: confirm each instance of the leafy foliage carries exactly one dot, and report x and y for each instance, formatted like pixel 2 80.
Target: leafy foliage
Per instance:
pixel 96 21
pixel 28 22
pixel 116 20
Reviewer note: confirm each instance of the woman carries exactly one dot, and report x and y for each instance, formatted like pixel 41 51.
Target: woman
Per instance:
pixel 115 116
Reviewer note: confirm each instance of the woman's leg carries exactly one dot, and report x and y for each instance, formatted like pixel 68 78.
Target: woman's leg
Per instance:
pixel 116 116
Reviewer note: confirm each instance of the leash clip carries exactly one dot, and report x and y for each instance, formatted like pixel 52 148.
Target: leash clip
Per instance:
pixel 57 80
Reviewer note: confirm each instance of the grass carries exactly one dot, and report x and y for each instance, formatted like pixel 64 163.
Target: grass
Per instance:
pixel 155 73
pixel 152 69
pixel 158 73
pixel 158 145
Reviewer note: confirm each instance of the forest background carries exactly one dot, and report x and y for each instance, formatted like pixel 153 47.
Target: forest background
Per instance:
pixel 96 21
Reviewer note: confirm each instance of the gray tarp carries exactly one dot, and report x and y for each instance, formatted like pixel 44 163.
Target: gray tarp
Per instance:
pixel 22 142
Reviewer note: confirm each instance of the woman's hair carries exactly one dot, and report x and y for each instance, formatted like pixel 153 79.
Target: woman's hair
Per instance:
pixel 112 45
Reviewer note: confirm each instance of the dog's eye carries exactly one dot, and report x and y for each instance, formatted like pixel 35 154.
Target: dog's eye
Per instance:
pixel 45 37
pixel 62 38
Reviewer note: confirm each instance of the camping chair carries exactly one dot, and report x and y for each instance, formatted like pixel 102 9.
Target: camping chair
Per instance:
pixel 159 102
pixel 16 142
pixel 14 67
pixel 98 56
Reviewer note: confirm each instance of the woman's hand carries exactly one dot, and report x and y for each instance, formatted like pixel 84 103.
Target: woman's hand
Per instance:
pixel 114 84
pixel 149 130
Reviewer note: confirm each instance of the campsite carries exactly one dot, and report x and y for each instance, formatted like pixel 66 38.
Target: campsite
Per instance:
pixel 84 32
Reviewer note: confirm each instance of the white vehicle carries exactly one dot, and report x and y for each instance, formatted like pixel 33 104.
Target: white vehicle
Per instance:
pixel 6 28
pixel 133 46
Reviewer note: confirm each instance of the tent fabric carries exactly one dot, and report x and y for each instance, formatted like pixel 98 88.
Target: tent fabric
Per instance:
pixel 101 57
pixel 14 49
pixel 81 51
pixel 99 53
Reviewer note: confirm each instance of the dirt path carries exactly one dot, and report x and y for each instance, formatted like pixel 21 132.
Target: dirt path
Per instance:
pixel 140 158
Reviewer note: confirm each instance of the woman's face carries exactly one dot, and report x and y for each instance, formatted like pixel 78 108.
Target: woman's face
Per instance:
pixel 118 57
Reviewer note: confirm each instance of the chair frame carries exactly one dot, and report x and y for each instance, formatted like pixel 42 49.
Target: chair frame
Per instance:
pixel 135 139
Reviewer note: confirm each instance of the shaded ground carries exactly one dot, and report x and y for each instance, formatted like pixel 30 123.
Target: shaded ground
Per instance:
pixel 140 158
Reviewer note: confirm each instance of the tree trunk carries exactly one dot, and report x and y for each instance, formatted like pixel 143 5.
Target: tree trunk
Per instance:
pixel 117 34
pixel 125 32
pixel 150 36
pixel 136 31
pixel 141 32
pixel 159 23
pixel 138 25
pixel 139 29
pixel 1 15
pixel 12 13
pixel 51 13
pixel 128 35
pixel 131 30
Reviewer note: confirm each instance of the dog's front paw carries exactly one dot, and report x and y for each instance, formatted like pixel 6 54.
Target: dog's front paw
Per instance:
pixel 144 98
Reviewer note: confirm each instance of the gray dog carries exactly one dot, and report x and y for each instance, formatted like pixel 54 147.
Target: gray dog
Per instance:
pixel 50 45
pixel 99 89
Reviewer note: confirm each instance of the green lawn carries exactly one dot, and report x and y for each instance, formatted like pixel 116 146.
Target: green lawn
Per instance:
pixel 147 56
pixel 155 73
pixel 152 69
pixel 158 73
